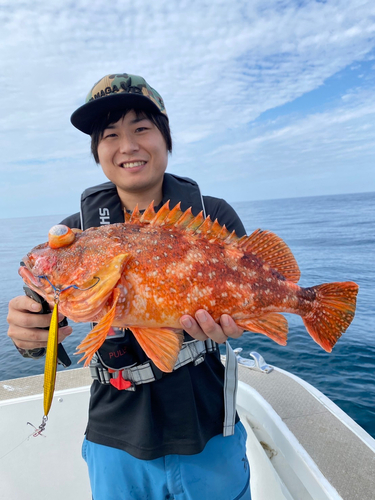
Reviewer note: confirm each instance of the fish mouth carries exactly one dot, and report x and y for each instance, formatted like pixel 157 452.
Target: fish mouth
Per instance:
pixel 36 283
pixel 28 276
pixel 75 299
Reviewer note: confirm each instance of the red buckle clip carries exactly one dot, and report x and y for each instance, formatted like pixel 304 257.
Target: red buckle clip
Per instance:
pixel 119 382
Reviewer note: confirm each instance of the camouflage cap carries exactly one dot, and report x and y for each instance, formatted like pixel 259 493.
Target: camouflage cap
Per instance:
pixel 115 92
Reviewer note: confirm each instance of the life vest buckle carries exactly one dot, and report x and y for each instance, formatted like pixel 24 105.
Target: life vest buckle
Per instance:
pixel 119 382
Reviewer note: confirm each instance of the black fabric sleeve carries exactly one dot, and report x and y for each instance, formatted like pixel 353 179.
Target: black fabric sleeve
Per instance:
pixel 219 209
pixel 72 221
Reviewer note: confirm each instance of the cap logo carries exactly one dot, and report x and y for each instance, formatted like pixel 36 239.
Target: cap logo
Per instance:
pixel 130 89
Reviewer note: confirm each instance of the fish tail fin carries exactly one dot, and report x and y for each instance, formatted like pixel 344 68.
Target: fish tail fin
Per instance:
pixel 332 312
pixel 93 341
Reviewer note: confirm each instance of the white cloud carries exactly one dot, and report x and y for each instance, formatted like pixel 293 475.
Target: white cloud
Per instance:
pixel 218 64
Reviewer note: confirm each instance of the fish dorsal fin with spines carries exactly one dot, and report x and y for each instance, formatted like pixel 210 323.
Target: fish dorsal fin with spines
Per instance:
pixel 205 227
pixel 196 223
pixel 265 245
pixel 223 233
pixel 162 213
pixel 185 218
pixel 135 216
pixel 232 238
pixel 149 214
pixel 272 250
pixel 215 229
pixel 173 216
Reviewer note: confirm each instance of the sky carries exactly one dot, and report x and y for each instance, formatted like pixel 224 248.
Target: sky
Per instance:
pixel 266 98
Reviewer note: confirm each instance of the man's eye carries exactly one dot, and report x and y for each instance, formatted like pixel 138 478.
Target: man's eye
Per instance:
pixel 141 129
pixel 109 135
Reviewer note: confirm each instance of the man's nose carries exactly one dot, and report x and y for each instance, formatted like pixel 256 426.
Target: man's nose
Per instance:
pixel 128 144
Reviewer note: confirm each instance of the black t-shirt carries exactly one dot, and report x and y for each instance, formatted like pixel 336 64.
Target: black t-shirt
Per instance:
pixel 176 414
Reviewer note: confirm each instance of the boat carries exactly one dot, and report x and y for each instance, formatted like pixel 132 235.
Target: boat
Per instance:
pixel 300 446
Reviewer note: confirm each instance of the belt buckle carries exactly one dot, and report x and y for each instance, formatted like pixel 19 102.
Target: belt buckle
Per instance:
pixel 118 381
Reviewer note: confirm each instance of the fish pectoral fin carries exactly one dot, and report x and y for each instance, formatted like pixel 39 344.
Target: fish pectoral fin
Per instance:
pixel 161 345
pixel 274 325
pixel 91 343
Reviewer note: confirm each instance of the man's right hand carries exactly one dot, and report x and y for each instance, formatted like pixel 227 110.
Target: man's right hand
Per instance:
pixel 25 327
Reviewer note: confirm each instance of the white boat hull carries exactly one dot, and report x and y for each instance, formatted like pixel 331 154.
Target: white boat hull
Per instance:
pixel 284 466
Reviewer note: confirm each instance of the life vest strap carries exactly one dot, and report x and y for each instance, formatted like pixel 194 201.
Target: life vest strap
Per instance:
pixel 191 352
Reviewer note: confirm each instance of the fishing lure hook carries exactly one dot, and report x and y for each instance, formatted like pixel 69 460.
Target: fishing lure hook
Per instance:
pixel 38 430
pixel 59 290
pixel 56 295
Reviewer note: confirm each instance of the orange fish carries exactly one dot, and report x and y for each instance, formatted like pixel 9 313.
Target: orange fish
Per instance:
pixel 146 273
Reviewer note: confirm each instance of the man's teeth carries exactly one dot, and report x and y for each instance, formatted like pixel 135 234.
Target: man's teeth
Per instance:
pixel 133 164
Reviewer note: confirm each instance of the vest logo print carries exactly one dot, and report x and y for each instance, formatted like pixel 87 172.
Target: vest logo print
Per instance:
pixel 104 216
pixel 118 353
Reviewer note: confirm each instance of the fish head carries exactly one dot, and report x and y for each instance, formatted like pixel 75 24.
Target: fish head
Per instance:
pixel 81 270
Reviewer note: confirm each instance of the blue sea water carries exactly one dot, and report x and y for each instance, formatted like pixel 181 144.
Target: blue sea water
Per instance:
pixel 332 238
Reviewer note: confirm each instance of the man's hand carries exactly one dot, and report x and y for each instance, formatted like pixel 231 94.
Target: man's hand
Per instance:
pixel 203 327
pixel 25 328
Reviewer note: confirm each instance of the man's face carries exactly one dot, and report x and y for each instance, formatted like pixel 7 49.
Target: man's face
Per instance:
pixel 133 154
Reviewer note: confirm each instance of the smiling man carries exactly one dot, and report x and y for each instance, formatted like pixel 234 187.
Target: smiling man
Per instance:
pixel 133 155
pixel 149 434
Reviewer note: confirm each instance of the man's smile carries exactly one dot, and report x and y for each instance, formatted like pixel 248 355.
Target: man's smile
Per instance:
pixel 132 164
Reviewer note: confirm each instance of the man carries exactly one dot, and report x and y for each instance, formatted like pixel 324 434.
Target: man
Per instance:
pixel 161 437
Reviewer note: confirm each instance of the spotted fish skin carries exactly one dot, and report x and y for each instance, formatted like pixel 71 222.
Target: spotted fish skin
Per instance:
pixel 155 268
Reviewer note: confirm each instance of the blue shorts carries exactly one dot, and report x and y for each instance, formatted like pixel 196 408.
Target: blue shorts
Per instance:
pixel 220 472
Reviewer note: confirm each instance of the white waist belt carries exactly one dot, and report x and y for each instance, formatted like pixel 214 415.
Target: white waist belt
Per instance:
pixel 145 373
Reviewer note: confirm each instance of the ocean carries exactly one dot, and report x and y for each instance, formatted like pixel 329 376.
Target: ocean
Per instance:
pixel 332 238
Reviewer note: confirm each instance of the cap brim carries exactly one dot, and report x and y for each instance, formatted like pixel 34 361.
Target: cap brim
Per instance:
pixel 84 117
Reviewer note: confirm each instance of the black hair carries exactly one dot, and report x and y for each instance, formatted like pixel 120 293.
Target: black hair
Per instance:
pixel 102 122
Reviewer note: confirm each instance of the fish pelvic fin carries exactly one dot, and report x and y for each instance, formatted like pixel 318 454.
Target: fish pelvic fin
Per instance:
pixel 332 312
pixel 93 341
pixel 273 251
pixel 161 345
pixel 274 325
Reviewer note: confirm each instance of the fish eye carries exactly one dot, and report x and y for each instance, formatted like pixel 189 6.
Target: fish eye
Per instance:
pixel 60 236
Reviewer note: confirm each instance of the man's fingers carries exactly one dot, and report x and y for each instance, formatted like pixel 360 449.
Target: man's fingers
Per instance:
pixel 210 327
pixel 203 326
pixel 31 338
pixel 190 325
pixel 24 303
pixel 230 327
pixel 28 320
pixel 22 311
